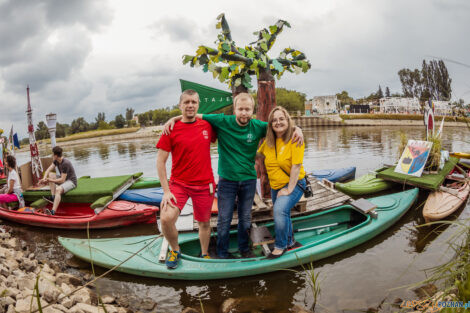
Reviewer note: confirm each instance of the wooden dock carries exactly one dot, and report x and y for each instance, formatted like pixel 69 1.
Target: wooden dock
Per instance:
pixel 324 197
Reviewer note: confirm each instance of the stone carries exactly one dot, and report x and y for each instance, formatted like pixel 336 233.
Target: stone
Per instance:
pixel 299 309
pixel 45 284
pixel 189 310
pixel 148 304
pixel 19 255
pixel 60 307
pixel 11 264
pixel 350 304
pixel 81 296
pixel 11 309
pixel 121 310
pixel 24 294
pixel 68 279
pixel 31 256
pixel 5 253
pixel 46 275
pixel 11 243
pixel 87 308
pixel 67 302
pixel 51 309
pixel 4 271
pixel 47 269
pixel 29 265
pixel 18 273
pixel 23 305
pixel 248 304
pixel 25 283
pixel 65 289
pixel 5 301
pixel 77 263
pixel 111 308
pixel 425 291
pixel 108 299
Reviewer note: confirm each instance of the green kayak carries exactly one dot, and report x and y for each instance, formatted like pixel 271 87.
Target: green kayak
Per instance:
pixel 146 182
pixel 322 234
pixel 364 185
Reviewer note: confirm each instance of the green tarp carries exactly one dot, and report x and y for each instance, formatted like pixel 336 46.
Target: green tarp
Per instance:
pixel 211 99
pixel 88 189
pixel 426 181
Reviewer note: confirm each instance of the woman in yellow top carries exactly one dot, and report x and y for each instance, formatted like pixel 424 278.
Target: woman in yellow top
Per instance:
pixel 283 160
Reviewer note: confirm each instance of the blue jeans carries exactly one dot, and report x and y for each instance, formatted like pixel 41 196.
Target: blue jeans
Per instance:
pixel 228 191
pixel 282 221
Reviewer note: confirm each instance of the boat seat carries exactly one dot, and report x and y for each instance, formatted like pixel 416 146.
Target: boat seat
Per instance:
pixel 365 206
pixel 260 236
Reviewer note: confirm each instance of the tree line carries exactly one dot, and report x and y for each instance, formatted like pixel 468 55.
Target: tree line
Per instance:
pixel 80 125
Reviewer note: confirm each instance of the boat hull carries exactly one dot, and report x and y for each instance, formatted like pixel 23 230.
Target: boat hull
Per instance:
pixel 441 204
pixel 81 216
pixel 336 175
pixel 111 252
pixel 364 185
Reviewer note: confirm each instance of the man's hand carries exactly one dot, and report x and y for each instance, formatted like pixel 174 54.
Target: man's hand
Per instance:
pixel 298 136
pixel 168 127
pixel 43 181
pixel 167 200
pixel 283 192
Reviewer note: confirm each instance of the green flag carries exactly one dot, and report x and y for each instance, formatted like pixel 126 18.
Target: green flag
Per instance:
pixel 211 99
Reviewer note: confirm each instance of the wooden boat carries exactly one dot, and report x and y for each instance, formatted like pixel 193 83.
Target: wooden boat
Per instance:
pixel 321 234
pixel 364 185
pixel 335 175
pixel 79 215
pixel 446 201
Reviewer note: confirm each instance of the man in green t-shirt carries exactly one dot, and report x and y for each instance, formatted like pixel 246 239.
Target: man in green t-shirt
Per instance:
pixel 238 138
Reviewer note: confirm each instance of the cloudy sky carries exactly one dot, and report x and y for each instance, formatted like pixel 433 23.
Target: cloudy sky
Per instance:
pixel 81 57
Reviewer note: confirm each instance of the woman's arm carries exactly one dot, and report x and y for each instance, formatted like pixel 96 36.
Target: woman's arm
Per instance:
pixel 294 177
pixel 12 183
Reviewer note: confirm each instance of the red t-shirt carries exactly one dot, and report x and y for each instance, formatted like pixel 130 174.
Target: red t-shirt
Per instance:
pixel 189 144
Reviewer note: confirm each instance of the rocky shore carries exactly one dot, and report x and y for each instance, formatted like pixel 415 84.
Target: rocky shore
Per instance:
pixel 23 276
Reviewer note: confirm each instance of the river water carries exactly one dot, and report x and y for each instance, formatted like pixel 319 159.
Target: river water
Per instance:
pixel 357 279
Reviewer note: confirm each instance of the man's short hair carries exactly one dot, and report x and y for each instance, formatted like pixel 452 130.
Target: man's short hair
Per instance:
pixel 57 151
pixel 189 92
pixel 11 161
pixel 243 95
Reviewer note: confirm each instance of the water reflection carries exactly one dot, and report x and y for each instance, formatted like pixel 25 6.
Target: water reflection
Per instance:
pixel 358 278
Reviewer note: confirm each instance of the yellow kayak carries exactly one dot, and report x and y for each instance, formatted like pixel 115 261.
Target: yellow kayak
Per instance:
pixel 461 155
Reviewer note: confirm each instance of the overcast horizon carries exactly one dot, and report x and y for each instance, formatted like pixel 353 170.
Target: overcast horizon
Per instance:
pixel 84 57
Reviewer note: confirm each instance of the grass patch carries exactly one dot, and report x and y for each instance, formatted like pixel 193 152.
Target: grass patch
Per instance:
pixel 96 133
pixel 413 117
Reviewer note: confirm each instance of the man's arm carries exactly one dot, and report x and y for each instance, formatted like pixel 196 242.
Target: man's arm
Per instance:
pixel 298 136
pixel 45 178
pixel 60 180
pixel 168 127
pixel 162 157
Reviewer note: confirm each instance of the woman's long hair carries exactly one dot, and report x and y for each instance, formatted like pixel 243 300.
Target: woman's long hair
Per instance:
pixel 271 135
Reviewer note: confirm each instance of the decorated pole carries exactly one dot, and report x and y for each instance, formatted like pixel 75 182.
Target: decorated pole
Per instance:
pixel 51 121
pixel 36 166
pixel 235 65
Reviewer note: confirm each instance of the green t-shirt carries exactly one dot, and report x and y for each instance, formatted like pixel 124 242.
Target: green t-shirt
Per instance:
pixel 237 145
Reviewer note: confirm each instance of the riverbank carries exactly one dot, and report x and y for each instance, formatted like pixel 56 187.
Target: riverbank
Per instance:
pixel 147 132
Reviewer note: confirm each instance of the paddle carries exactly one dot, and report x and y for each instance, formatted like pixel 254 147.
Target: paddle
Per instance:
pixel 316 227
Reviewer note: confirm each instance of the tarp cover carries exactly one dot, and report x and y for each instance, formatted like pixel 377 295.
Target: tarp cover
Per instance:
pixel 88 189
pixel 426 181
pixel 211 99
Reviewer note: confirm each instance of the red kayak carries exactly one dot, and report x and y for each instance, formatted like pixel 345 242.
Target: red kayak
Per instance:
pixel 79 215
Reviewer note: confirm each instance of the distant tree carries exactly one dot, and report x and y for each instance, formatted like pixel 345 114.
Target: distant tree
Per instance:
pixel 143 119
pixel 103 125
pixel 387 92
pixel 431 82
pixel 79 125
pixel 119 121
pixel 42 131
pixel 380 94
pixel 62 130
pixel 291 100
pixel 129 114
pixel 101 117
pixel 344 98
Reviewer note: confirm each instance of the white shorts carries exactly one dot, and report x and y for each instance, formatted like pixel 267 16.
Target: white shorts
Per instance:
pixel 67 186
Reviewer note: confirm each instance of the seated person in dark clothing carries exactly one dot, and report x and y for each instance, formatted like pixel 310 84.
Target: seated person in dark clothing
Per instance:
pixel 60 184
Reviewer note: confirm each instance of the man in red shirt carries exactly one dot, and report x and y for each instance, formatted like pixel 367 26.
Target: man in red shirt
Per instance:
pixel 191 175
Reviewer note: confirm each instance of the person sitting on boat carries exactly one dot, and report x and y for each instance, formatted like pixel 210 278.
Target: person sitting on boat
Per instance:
pixel 283 160
pixel 13 191
pixel 238 139
pixel 191 175
pixel 62 183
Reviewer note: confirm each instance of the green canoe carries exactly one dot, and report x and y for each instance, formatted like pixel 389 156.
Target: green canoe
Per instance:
pixel 322 234
pixel 364 185
pixel 146 182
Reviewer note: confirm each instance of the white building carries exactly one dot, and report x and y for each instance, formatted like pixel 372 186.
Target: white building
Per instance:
pixel 399 105
pixel 322 105
pixel 442 108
